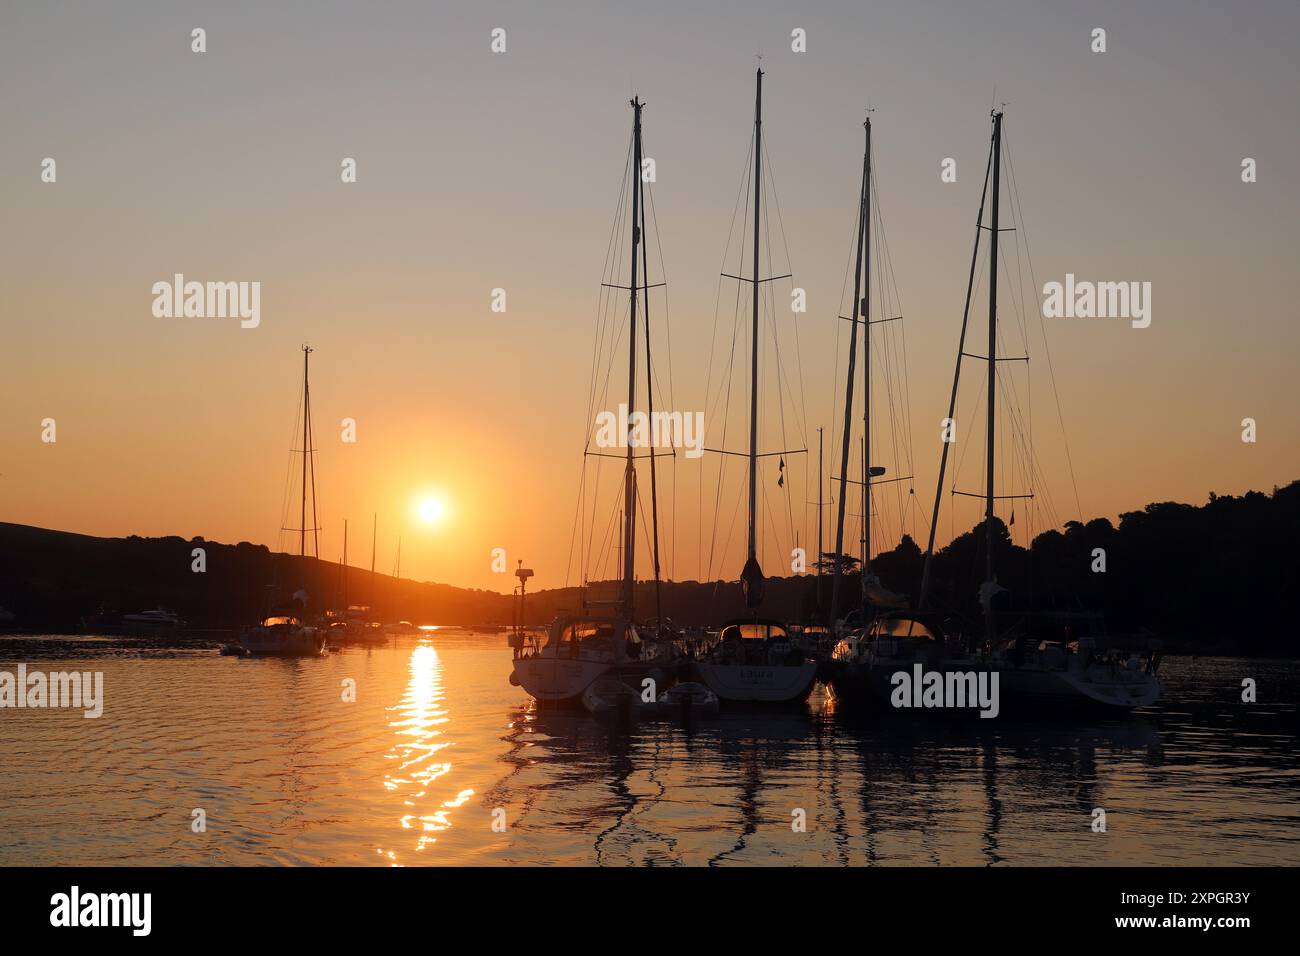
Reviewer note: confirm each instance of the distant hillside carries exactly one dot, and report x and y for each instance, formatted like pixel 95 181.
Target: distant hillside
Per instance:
pixel 50 579
pixel 1224 576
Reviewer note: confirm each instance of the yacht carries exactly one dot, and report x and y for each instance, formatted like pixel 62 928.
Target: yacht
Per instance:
pixel 285 630
pixel 282 635
pixel 757 662
pixel 609 645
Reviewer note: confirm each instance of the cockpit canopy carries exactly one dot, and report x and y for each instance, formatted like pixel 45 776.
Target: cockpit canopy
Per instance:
pixel 753 631
pixel 899 627
pixel 280 620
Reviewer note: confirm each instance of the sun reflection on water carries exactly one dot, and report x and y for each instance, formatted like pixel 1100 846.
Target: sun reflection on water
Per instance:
pixel 417 753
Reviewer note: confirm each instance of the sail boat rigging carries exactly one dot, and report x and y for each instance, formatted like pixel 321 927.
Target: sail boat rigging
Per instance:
pixel 589 657
pixel 755 660
pixel 1059 673
pixel 284 631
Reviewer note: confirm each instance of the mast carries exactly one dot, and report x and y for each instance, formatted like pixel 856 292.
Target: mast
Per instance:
pixel 820 482
pixel 306 452
pixel 751 577
pixel 992 372
pixel 753 343
pixel 956 378
pixel 345 563
pixel 629 477
pixel 848 390
pixel 374 536
pixel 866 373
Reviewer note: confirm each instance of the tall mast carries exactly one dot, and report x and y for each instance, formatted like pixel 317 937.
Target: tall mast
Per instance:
pixel 993 366
pixel 753 343
pixel 956 378
pixel 345 563
pixel 306 452
pixel 751 577
pixel 848 389
pixel 866 371
pixel 374 536
pixel 629 477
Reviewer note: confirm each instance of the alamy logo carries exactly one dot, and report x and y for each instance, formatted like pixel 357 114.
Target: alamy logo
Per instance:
pixel 103 909
pixel 210 300
pixel 946 689
pixel 1098 300
pixel 656 430
pixel 36 689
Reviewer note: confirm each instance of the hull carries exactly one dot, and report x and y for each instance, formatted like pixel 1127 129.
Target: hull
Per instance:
pixel 305 642
pixel 759 684
pixel 687 701
pixel 1098 688
pixel 856 687
pixel 1021 691
pixel 557 680
pixel 869 687
pixel 608 697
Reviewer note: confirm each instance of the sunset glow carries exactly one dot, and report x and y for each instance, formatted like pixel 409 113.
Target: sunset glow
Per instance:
pixel 431 510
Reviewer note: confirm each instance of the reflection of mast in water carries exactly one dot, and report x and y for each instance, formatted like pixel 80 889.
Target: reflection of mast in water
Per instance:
pixel 751 781
pixel 558 758
pixel 828 769
pixel 990 775
pixel 415 753
pixel 766 744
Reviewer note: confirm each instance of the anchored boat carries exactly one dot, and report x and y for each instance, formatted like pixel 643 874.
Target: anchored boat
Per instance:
pixel 754 660
pixel 605 640
pixel 284 631
pixel 1035 674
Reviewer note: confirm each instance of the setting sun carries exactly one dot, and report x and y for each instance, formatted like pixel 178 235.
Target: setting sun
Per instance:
pixel 431 510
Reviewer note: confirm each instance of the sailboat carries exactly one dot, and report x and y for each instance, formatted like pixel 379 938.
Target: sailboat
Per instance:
pixel 755 659
pixel 1060 674
pixel 877 639
pixel 581 649
pixel 285 631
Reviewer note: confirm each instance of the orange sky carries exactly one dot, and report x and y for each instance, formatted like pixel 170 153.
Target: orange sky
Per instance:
pixel 479 171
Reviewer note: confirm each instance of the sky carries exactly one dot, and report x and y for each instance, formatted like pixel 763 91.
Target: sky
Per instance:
pixel 479 170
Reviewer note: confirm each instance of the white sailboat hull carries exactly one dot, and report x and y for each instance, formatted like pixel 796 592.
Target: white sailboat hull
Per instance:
pixel 556 680
pixel 1097 687
pixel 751 683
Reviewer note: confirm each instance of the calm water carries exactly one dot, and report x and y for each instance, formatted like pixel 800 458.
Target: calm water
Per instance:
pixel 412 772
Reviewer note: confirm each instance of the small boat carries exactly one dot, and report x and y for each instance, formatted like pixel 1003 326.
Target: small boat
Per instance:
pixel 688 700
pixel 159 617
pixel 609 697
pixel 282 636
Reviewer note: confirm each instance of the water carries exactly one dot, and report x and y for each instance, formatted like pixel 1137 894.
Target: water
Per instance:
pixel 437 740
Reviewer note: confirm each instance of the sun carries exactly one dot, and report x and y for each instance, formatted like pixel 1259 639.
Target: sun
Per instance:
pixel 431 510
